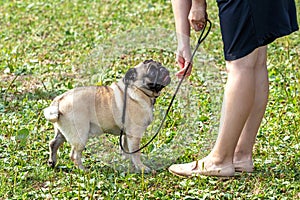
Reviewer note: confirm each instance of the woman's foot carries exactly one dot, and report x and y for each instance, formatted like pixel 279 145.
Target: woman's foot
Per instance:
pixel 202 167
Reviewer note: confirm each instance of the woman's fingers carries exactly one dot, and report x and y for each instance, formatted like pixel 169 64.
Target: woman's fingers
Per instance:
pixel 181 72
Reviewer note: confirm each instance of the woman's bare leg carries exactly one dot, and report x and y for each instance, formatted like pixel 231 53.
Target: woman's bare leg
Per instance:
pixel 236 117
pixel 237 104
pixel 243 150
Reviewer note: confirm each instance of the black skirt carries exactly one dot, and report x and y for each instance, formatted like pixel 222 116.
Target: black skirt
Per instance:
pixel 248 24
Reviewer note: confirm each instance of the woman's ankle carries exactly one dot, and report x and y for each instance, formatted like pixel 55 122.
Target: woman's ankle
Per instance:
pixel 242 157
pixel 219 160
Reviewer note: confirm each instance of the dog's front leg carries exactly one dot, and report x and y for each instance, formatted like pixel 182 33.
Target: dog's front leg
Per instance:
pixel 134 144
pixel 125 146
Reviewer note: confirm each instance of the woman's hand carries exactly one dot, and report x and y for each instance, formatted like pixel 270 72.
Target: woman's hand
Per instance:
pixel 187 13
pixel 198 15
pixel 183 58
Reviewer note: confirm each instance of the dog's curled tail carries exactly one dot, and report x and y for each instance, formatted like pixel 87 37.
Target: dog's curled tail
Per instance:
pixel 51 113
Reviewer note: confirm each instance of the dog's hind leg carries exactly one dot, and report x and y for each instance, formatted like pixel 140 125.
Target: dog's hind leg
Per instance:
pixel 76 154
pixel 77 135
pixel 54 144
pixel 78 145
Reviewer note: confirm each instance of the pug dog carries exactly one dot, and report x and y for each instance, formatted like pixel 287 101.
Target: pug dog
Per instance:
pixel 84 112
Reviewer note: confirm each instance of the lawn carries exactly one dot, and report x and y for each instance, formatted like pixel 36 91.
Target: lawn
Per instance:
pixel 49 47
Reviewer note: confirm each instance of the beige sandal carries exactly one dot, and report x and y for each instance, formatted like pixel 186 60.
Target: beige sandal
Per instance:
pixel 244 166
pixel 197 168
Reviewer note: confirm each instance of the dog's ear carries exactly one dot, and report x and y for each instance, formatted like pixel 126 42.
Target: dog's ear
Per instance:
pixel 148 61
pixel 130 76
pixel 151 61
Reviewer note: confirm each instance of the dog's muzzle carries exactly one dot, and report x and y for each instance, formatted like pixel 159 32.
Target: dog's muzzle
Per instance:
pixel 160 78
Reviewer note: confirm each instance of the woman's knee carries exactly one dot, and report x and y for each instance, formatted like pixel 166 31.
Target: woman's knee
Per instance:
pixel 261 58
pixel 252 61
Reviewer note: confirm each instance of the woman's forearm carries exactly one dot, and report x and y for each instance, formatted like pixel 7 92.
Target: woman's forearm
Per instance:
pixel 181 9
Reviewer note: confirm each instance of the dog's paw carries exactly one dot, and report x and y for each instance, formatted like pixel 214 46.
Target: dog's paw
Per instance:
pixel 51 163
pixel 146 170
pixel 143 169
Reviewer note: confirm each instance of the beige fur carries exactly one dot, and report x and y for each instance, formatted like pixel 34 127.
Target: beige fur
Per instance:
pixel 89 111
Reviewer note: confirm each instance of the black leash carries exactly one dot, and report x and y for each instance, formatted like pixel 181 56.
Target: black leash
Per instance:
pixel 200 40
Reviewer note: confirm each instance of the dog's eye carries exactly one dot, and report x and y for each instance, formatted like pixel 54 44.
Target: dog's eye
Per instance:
pixel 151 74
pixel 151 71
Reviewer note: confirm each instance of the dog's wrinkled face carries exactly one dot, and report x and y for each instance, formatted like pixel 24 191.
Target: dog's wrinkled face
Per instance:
pixel 148 75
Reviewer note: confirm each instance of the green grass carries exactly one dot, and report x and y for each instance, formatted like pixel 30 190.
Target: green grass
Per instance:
pixel 47 48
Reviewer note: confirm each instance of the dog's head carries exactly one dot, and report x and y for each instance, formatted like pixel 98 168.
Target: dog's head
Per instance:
pixel 149 76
